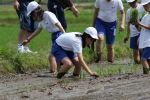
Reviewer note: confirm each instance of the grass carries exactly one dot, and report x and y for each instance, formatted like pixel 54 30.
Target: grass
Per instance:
pixel 11 61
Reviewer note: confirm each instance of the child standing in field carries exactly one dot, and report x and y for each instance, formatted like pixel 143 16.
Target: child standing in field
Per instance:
pixel 49 22
pixel 144 43
pixel 104 20
pixel 132 29
pixel 64 47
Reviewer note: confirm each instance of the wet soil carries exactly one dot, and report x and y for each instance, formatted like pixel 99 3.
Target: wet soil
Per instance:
pixel 45 86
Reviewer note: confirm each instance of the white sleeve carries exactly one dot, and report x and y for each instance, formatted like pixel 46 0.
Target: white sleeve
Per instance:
pixel 77 47
pixel 53 18
pixel 97 3
pixel 120 7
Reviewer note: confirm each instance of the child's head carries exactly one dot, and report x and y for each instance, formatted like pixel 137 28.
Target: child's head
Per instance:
pixel 132 3
pixel 146 5
pixel 35 10
pixel 89 36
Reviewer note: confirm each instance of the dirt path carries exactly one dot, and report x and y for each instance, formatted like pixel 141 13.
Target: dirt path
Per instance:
pixel 30 86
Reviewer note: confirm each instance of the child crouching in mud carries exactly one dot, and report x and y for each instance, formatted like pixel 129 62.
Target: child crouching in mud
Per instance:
pixel 144 43
pixel 49 22
pixel 65 47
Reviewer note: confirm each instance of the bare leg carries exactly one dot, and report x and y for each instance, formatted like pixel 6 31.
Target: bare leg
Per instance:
pixel 99 46
pixel 53 63
pixel 136 56
pixel 22 35
pixel 66 65
pixel 77 65
pixel 110 53
pixel 145 66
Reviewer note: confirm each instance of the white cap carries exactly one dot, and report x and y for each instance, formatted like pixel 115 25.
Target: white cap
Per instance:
pixel 144 2
pixel 92 32
pixel 130 0
pixel 31 6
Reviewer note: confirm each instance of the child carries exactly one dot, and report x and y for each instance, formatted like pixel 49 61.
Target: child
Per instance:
pixel 49 22
pixel 104 20
pixel 64 47
pixel 132 28
pixel 144 43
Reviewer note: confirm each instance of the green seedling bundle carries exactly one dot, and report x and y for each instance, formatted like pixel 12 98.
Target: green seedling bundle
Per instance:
pixel 143 14
pixel 134 15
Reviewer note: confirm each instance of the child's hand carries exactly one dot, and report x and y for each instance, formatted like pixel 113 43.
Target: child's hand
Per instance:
pixel 125 39
pixel 94 74
pixel 25 42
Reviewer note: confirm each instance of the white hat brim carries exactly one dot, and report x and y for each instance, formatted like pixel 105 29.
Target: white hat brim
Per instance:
pixel 144 3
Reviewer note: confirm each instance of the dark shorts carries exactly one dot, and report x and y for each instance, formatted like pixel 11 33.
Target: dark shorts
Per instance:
pixel 133 42
pixel 59 53
pixel 26 22
pixel 58 11
pixel 146 53
pixel 107 29
pixel 55 36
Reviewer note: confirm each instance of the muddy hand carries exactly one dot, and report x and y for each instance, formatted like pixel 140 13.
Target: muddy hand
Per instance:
pixel 94 74
pixel 125 40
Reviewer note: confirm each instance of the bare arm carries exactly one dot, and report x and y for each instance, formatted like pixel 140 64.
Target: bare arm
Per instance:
pixel 122 20
pixel 95 15
pixel 83 64
pixel 60 27
pixel 145 26
pixel 16 5
pixel 36 32
pixel 74 11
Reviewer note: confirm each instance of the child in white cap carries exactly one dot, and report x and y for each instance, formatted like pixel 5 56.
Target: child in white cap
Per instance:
pixel 64 50
pixel 144 43
pixel 132 29
pixel 49 22
pixel 104 20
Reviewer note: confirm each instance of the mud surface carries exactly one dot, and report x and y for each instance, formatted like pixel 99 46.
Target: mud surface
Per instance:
pixel 45 86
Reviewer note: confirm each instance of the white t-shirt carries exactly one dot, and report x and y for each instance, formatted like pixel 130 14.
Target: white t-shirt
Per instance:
pixel 108 10
pixel 48 22
pixel 133 30
pixel 70 42
pixel 145 33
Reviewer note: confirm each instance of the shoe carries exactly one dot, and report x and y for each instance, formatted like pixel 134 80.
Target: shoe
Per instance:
pixel 28 51
pixel 21 49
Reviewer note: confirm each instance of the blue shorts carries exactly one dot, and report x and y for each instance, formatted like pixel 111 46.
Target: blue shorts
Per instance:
pixel 133 42
pixel 146 53
pixel 107 29
pixel 26 22
pixel 59 53
pixel 55 36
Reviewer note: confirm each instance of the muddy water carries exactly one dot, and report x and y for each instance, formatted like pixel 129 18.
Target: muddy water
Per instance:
pixel 45 86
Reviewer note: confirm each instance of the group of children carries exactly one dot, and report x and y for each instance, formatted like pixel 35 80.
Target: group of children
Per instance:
pixel 140 32
pixel 67 47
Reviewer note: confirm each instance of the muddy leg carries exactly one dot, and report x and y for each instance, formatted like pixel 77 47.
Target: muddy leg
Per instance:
pixel 145 70
pixel 98 57
pixel 137 62
pixel 145 65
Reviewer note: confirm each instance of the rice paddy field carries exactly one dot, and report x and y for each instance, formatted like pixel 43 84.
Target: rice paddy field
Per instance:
pixel 27 77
